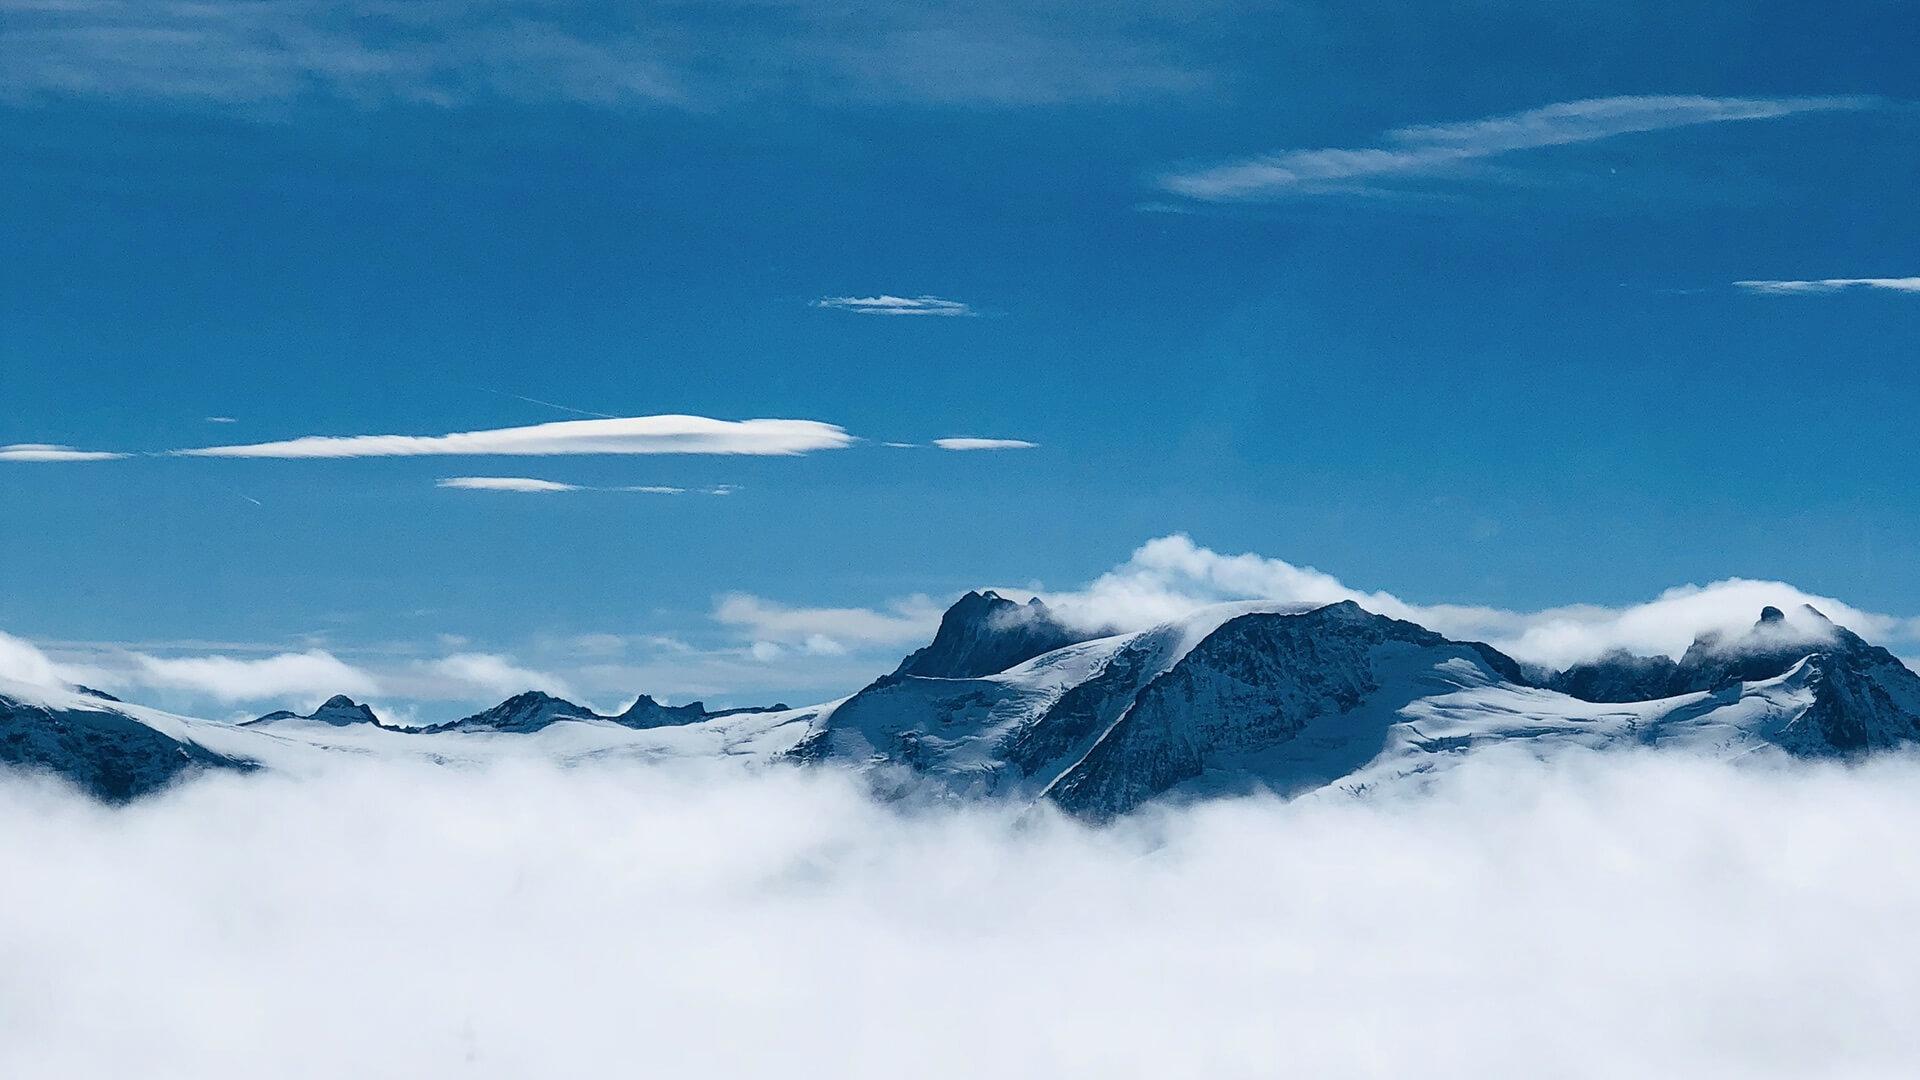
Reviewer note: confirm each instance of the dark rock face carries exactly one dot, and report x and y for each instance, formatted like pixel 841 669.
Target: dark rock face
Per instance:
pixel 108 754
pixel 1250 686
pixel 984 633
pixel 1617 676
pixel 338 711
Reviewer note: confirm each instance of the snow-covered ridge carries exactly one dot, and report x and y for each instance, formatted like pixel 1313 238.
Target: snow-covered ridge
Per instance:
pixel 1230 698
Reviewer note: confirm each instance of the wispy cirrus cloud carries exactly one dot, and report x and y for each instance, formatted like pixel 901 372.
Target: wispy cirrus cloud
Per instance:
pixel 898 305
pixel 51 452
pixel 984 444
pixel 1434 149
pixel 531 485
pixel 251 55
pixel 1829 285
pixel 622 435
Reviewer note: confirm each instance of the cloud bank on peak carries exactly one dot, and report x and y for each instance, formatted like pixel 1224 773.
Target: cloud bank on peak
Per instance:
pixel 1429 149
pixel 314 673
pixel 48 452
pixel 1829 285
pixel 667 434
pixel 984 444
pixel 897 305
pixel 1172 576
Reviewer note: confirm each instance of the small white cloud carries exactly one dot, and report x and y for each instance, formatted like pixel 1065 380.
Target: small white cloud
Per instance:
pixel 53 452
pixel 624 435
pixel 503 483
pixel 765 651
pixel 902 445
pixel 490 674
pixel 315 672
pixel 1829 285
pixel 221 420
pixel 824 629
pixel 984 444
pixel 653 489
pixel 896 305
pixel 1431 149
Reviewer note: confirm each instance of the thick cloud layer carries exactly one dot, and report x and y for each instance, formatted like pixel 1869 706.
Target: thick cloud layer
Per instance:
pixel 1606 916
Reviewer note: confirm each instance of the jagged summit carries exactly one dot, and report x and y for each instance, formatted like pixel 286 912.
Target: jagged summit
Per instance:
pixel 528 711
pixel 1772 645
pixel 984 633
pixel 338 710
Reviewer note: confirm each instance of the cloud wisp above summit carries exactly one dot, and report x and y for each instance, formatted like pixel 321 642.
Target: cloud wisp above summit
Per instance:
pixel 1428 150
pixel 668 434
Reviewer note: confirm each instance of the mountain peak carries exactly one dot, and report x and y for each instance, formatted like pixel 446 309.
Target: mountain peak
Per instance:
pixel 1770 615
pixel 984 633
pixel 338 711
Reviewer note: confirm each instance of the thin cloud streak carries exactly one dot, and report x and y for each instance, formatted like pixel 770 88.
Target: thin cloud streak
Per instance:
pixel 898 305
pixel 535 486
pixel 51 452
pixel 1829 285
pixel 1433 149
pixel 671 434
pixel 984 444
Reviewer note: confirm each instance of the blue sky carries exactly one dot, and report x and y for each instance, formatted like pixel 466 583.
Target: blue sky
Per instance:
pixel 1447 303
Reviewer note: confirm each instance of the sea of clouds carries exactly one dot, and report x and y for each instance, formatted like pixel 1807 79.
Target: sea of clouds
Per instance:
pixel 1598 915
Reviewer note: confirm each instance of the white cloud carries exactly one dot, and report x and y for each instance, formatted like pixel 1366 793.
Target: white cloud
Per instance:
pixel 314 673
pixel 503 483
pixel 1829 285
pixel 487 674
pixel 725 920
pixel 22 661
pixel 1426 150
pixel 221 420
pixel 531 485
pixel 896 305
pixel 1171 576
pixel 828 629
pixel 984 444
pixel 624 435
pixel 41 452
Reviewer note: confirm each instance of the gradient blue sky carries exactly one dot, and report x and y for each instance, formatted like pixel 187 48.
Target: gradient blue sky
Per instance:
pixel 1506 363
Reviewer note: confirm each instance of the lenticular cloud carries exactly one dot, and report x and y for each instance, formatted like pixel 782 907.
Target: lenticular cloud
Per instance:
pixel 617 435
pixel 1613 915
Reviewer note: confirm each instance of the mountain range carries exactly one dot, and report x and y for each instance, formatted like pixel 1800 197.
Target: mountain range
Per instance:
pixel 1010 701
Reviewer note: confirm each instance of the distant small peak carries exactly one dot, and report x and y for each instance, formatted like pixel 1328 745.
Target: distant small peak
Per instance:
pixel 339 701
pixel 1816 613
pixel 1770 616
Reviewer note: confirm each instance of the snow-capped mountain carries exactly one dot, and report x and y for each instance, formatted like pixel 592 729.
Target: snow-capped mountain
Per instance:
pixel 337 711
pixel 1009 702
